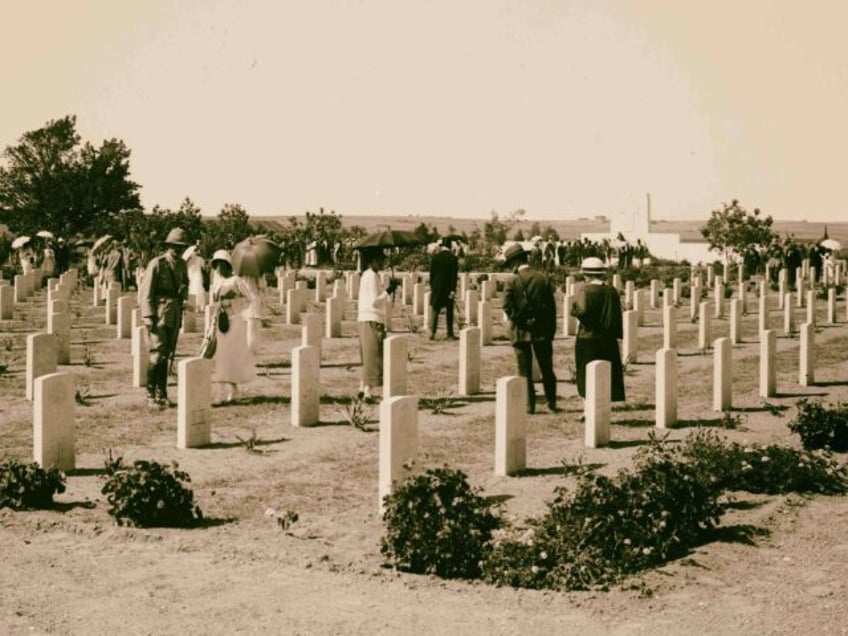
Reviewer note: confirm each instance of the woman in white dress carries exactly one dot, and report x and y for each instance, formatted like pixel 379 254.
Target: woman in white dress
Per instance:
pixel 194 264
pixel 235 359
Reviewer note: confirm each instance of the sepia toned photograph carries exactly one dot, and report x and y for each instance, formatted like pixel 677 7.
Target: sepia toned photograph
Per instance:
pixel 423 317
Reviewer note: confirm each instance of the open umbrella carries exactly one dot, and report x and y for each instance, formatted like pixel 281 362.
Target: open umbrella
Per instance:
pixel 19 242
pixel 45 234
pixel 390 238
pixel 101 242
pixel 831 244
pixel 255 256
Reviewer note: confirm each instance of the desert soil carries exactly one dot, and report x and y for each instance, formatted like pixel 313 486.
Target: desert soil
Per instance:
pixel 779 565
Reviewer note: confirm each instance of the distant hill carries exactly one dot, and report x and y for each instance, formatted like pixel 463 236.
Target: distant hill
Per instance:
pixel 566 228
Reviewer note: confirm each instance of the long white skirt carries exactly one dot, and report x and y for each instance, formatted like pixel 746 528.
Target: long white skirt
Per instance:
pixel 234 359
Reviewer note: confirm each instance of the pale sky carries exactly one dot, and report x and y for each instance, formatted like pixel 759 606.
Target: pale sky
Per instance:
pixel 448 107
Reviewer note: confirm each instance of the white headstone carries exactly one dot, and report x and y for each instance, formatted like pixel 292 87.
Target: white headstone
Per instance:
pixel 194 402
pixel 311 332
pixel 484 321
pixel 768 363
pixel 418 290
pixel 639 306
pixel 722 375
pixel 666 388
pixel 306 387
pixel 59 325
pixel 719 299
pixel 20 288
pixel 569 322
pixel 41 358
pixel 807 355
pixel 53 421
pixel 469 361
pixel 510 425
pixel 7 302
pixel 111 314
pixel 125 309
pixel 811 307
pixel 394 366
pixel 292 307
pixel 669 327
pixel 831 305
pixel 704 325
pixel 335 312
pixel 471 300
pixel 398 441
pixel 630 340
pixel 598 407
pixel 654 293
pixel 140 355
pixel 735 321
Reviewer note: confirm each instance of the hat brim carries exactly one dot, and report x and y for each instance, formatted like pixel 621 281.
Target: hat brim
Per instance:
pixel 592 270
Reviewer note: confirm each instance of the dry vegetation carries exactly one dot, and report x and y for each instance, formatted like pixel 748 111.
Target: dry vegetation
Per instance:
pixel 778 566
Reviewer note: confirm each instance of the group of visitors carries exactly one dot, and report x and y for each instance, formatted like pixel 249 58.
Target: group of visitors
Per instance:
pixel 165 287
pixel 530 310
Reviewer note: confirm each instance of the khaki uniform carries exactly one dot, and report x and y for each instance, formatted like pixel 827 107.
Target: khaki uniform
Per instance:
pixel 163 291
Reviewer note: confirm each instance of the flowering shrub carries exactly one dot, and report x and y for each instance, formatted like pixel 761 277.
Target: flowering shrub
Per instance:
pixel 436 524
pixel 770 469
pixel 148 494
pixel 821 426
pixel 25 486
pixel 610 527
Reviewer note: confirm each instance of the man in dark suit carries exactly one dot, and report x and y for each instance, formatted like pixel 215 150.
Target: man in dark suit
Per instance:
pixel 444 270
pixel 530 307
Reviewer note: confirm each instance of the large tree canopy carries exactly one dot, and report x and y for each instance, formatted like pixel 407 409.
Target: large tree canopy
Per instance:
pixel 732 230
pixel 50 181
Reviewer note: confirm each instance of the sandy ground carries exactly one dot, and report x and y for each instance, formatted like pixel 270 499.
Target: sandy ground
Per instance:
pixel 779 565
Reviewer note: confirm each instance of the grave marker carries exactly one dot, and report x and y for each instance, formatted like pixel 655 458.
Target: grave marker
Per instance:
pixel 305 386
pixel 398 441
pixel 41 358
pixel 194 402
pixel 53 421
pixel 666 388
pixel 510 425
pixel 469 361
pixel 597 403
pixel 394 366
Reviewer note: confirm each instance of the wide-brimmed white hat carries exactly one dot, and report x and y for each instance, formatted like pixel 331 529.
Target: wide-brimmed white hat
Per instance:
pixel 222 255
pixel 593 265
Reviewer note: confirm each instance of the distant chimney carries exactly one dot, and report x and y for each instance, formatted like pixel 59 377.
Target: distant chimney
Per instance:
pixel 649 210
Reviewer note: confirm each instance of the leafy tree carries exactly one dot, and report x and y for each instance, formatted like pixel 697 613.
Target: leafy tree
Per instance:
pixel 51 182
pixel 535 229
pixel 230 227
pixel 496 230
pixel 733 231
pixel 550 234
pixel 518 236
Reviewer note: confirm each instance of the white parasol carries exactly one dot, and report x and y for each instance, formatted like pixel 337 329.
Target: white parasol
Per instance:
pixel 45 234
pixel 19 242
pixel 189 252
pixel 101 242
pixel 831 244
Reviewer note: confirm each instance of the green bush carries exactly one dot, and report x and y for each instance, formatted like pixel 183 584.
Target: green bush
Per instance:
pixel 436 524
pixel 770 469
pixel 610 527
pixel 148 494
pixel 821 426
pixel 25 486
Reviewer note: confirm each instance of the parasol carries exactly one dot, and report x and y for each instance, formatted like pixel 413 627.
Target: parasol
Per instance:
pixel 45 234
pixel 189 252
pixel 103 240
pixel 390 238
pixel 831 244
pixel 20 242
pixel 255 256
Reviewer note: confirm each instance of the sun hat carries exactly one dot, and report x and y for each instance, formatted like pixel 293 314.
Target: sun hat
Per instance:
pixel 512 252
pixel 592 265
pixel 177 236
pixel 222 255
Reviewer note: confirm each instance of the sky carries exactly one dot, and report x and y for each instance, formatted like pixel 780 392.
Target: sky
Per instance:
pixel 455 108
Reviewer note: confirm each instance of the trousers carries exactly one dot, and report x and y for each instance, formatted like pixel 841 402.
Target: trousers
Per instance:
pixel 544 352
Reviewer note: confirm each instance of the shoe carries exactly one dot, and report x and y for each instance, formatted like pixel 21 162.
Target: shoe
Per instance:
pixel 452 337
pixel 553 408
pixel 165 403
pixel 153 403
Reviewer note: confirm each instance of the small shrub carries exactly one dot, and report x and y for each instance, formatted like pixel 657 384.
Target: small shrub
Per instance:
pixel 436 524
pixel 25 486
pixel 113 464
pixel 148 494
pixel 357 413
pixel 770 469
pixel 250 444
pixel 821 426
pixel 609 528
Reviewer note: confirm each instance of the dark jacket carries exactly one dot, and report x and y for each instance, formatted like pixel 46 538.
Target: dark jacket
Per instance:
pixel 531 287
pixel 444 270
pixel 599 311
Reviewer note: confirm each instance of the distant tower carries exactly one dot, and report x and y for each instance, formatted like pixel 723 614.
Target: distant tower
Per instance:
pixel 642 221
